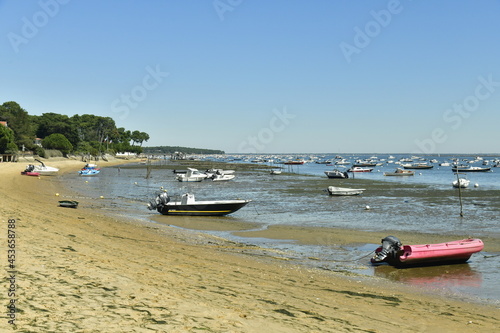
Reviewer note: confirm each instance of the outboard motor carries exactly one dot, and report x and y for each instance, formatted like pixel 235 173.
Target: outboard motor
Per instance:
pixel 390 248
pixel 161 200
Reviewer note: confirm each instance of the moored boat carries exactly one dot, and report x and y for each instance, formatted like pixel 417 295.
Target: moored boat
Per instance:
pixel 188 206
pixel 89 172
pixel 400 172
pixel 192 175
pixel 461 168
pixel 68 203
pixel 420 166
pixel 344 191
pixel 396 254
pixel 461 182
pixel 360 169
pixel 295 162
pixel 335 173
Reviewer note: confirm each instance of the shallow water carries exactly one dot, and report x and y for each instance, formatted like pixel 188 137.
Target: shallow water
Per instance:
pixel 424 203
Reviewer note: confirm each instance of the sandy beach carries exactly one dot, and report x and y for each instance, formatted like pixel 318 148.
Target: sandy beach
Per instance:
pixel 82 270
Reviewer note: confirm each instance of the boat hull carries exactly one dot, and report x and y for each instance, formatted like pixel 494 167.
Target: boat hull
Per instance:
pixel 68 203
pixel 30 173
pixel 337 174
pixel 435 254
pixel 455 169
pixel 200 208
pixel 342 191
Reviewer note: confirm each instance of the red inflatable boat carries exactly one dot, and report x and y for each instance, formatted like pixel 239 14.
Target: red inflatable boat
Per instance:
pixel 396 254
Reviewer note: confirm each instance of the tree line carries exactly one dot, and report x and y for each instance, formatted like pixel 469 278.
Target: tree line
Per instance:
pixel 159 150
pixel 85 134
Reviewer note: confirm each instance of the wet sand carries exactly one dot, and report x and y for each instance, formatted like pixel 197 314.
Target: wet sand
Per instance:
pixel 82 270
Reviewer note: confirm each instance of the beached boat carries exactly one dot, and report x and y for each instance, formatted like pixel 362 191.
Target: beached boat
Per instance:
pixel 89 172
pixel 68 203
pixel 29 171
pixel 191 175
pixel 360 169
pixel 396 254
pixel 337 174
pixel 461 182
pixel 400 172
pixel 344 191
pixel 275 172
pixel 222 177
pixel 189 206
pixel 467 168
pixel 42 169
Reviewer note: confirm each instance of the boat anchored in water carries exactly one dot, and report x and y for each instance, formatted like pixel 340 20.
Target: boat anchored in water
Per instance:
pixel 190 207
pixel 400 172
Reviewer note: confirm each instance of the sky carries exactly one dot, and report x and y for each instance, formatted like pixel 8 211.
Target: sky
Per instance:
pixel 261 76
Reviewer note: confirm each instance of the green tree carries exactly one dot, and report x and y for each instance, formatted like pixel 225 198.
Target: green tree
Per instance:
pixel 20 122
pixel 7 145
pixel 59 142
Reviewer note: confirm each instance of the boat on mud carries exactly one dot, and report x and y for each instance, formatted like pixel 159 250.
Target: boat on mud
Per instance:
pixel 344 191
pixel 394 253
pixel 188 206
pixel 335 173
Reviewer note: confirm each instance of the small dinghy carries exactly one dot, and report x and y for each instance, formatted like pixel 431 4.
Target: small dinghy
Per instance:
pixel 396 254
pixel 68 203
pixel 344 191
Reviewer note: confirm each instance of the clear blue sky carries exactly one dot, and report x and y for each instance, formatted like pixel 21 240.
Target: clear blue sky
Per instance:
pixel 264 76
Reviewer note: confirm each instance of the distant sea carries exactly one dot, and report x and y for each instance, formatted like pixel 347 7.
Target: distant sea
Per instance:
pixel 424 203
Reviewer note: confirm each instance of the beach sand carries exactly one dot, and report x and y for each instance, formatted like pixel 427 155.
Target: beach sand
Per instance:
pixel 82 270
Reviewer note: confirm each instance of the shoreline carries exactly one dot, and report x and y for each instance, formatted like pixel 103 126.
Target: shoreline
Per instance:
pixel 84 270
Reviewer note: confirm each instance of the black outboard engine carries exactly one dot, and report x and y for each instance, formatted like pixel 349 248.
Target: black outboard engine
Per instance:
pixel 161 200
pixel 390 247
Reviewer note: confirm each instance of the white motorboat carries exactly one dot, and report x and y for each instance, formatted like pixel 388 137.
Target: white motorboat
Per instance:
pixel 344 191
pixel 360 169
pixel 275 172
pixel 461 182
pixel 336 174
pixel 461 168
pixel 43 169
pixel 192 175
pixel 211 172
pixel 222 177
